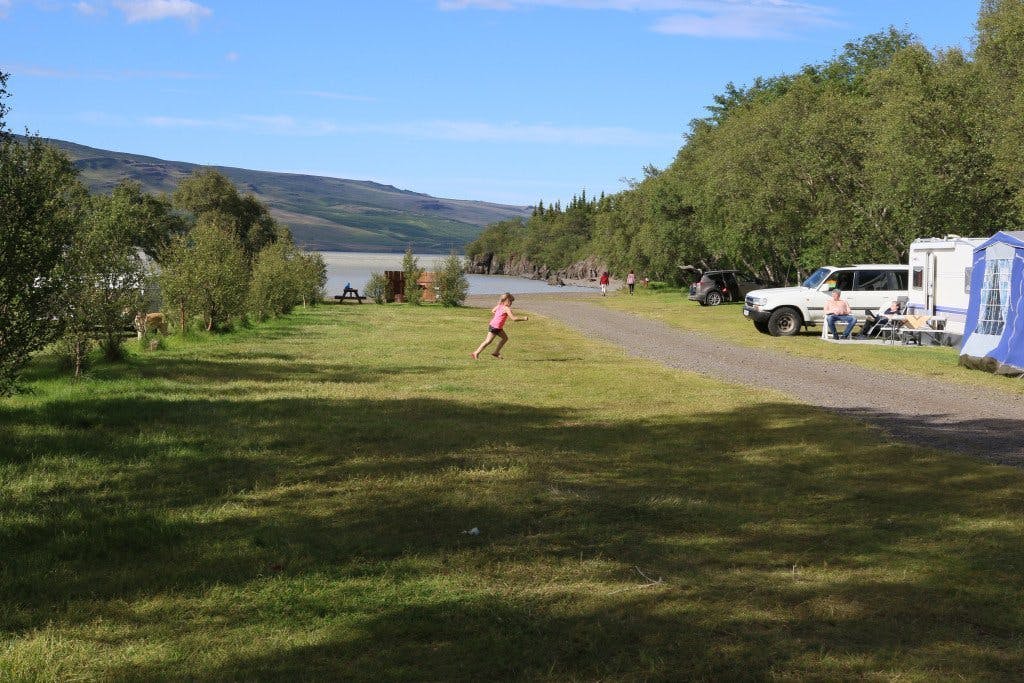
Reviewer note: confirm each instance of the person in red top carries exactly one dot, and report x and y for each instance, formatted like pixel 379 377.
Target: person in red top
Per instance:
pixel 604 283
pixel 501 313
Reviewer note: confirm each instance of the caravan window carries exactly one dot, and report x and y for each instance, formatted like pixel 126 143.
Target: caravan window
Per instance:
pixel 995 297
pixel 918 277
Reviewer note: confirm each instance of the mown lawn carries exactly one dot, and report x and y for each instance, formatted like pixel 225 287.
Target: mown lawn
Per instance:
pixel 727 322
pixel 290 502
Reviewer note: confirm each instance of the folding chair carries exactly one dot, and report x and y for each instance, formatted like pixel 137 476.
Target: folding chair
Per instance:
pixel 890 329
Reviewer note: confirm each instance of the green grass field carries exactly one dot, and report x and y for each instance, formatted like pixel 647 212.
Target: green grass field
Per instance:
pixel 290 502
pixel 727 322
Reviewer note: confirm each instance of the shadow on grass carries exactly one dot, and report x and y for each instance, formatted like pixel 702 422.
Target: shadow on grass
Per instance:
pixel 995 439
pixel 785 546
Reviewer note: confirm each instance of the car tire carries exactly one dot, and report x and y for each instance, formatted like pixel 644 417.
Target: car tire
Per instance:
pixel 712 298
pixel 784 322
pixel 762 327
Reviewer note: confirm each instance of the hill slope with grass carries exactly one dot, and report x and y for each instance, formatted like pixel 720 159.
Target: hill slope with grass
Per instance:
pixel 323 213
pixel 257 506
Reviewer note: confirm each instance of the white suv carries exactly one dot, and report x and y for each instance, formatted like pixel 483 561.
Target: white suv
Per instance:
pixel 782 311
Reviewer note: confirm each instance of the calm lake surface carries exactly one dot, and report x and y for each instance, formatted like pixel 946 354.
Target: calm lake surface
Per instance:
pixel 355 268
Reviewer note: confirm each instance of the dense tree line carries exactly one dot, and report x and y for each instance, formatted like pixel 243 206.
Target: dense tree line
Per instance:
pixel 77 268
pixel 845 161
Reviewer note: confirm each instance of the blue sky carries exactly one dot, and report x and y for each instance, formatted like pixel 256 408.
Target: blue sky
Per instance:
pixel 509 101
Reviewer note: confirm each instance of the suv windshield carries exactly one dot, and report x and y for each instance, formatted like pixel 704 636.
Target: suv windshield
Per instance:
pixel 817 277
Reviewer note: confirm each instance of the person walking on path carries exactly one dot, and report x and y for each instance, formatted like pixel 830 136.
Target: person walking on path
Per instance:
pixel 631 281
pixel 501 313
pixel 604 283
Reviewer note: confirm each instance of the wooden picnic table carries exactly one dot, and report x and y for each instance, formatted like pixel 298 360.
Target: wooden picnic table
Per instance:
pixel 349 293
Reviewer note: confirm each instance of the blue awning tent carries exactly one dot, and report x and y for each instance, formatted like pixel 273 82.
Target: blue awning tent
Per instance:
pixel 994 332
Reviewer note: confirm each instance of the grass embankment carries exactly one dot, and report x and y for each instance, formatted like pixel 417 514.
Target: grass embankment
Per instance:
pixel 726 322
pixel 290 502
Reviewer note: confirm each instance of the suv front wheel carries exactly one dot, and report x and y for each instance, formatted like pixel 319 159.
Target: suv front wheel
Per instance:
pixel 784 322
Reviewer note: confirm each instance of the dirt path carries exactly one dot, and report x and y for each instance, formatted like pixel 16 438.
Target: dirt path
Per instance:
pixel 938 414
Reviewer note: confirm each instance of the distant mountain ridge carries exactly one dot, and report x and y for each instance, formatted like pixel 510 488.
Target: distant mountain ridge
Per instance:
pixel 323 213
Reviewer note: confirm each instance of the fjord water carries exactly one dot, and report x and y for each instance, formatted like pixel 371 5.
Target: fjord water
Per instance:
pixel 355 268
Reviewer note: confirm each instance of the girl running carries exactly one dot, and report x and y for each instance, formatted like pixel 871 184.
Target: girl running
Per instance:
pixel 502 312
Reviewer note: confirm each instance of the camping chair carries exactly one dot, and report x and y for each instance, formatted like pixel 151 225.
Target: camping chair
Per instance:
pixel 890 329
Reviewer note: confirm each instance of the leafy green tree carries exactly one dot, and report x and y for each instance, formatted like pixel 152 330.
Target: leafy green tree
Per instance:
pixel 179 279
pixel 41 205
pixel 452 282
pixel 208 192
pixel 206 271
pixel 312 277
pixel 108 275
pixel 275 287
pixel 152 220
pixel 377 288
pixel 412 272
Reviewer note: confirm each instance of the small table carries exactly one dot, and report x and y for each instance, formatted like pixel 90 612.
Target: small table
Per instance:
pixel 349 293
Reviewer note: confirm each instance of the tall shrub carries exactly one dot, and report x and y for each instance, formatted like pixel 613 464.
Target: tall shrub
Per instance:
pixel 452 282
pixel 412 272
pixel 41 204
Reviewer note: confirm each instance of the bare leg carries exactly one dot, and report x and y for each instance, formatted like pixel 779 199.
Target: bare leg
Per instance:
pixel 487 340
pixel 502 338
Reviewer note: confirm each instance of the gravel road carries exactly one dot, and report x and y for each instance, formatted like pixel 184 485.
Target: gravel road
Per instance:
pixel 943 415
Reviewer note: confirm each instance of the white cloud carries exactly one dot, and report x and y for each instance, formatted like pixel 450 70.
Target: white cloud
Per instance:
pixel 126 74
pixel 455 131
pixel 86 8
pixel 231 56
pixel 5 7
pixel 705 18
pixel 155 10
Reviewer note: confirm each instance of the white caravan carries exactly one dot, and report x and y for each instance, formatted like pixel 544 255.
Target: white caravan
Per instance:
pixel 940 278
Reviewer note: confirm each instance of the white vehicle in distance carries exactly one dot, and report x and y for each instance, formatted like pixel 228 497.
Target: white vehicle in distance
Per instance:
pixel 782 311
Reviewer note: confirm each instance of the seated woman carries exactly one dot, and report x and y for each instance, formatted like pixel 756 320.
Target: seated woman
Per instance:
pixel 880 319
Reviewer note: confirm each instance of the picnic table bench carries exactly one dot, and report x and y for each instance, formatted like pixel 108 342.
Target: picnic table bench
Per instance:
pixel 349 293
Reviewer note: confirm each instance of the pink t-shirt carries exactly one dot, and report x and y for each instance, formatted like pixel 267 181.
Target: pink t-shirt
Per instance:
pixel 630 279
pixel 501 312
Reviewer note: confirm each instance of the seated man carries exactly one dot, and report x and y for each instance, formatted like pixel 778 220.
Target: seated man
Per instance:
pixel 838 311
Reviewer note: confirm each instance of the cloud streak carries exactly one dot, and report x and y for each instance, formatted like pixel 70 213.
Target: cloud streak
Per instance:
pixel 744 19
pixel 136 11
pixel 125 74
pixel 452 131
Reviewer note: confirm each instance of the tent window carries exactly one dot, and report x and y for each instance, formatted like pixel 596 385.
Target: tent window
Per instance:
pixel 995 297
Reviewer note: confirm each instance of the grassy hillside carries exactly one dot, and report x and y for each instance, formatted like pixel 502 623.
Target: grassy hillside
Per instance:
pixel 259 506
pixel 323 213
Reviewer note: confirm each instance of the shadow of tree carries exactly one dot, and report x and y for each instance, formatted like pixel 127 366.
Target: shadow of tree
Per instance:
pixel 781 547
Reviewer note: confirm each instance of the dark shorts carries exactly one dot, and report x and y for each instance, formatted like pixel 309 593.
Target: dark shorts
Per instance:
pixel 494 330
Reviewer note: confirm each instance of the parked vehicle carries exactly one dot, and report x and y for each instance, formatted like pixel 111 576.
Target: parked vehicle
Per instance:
pixel 782 311
pixel 717 286
pixel 940 279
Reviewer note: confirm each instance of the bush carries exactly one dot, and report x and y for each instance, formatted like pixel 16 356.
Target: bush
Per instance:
pixel 377 288
pixel 412 271
pixel 452 282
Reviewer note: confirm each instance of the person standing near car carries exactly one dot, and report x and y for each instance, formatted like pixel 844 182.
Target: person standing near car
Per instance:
pixel 838 311
pixel 631 281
